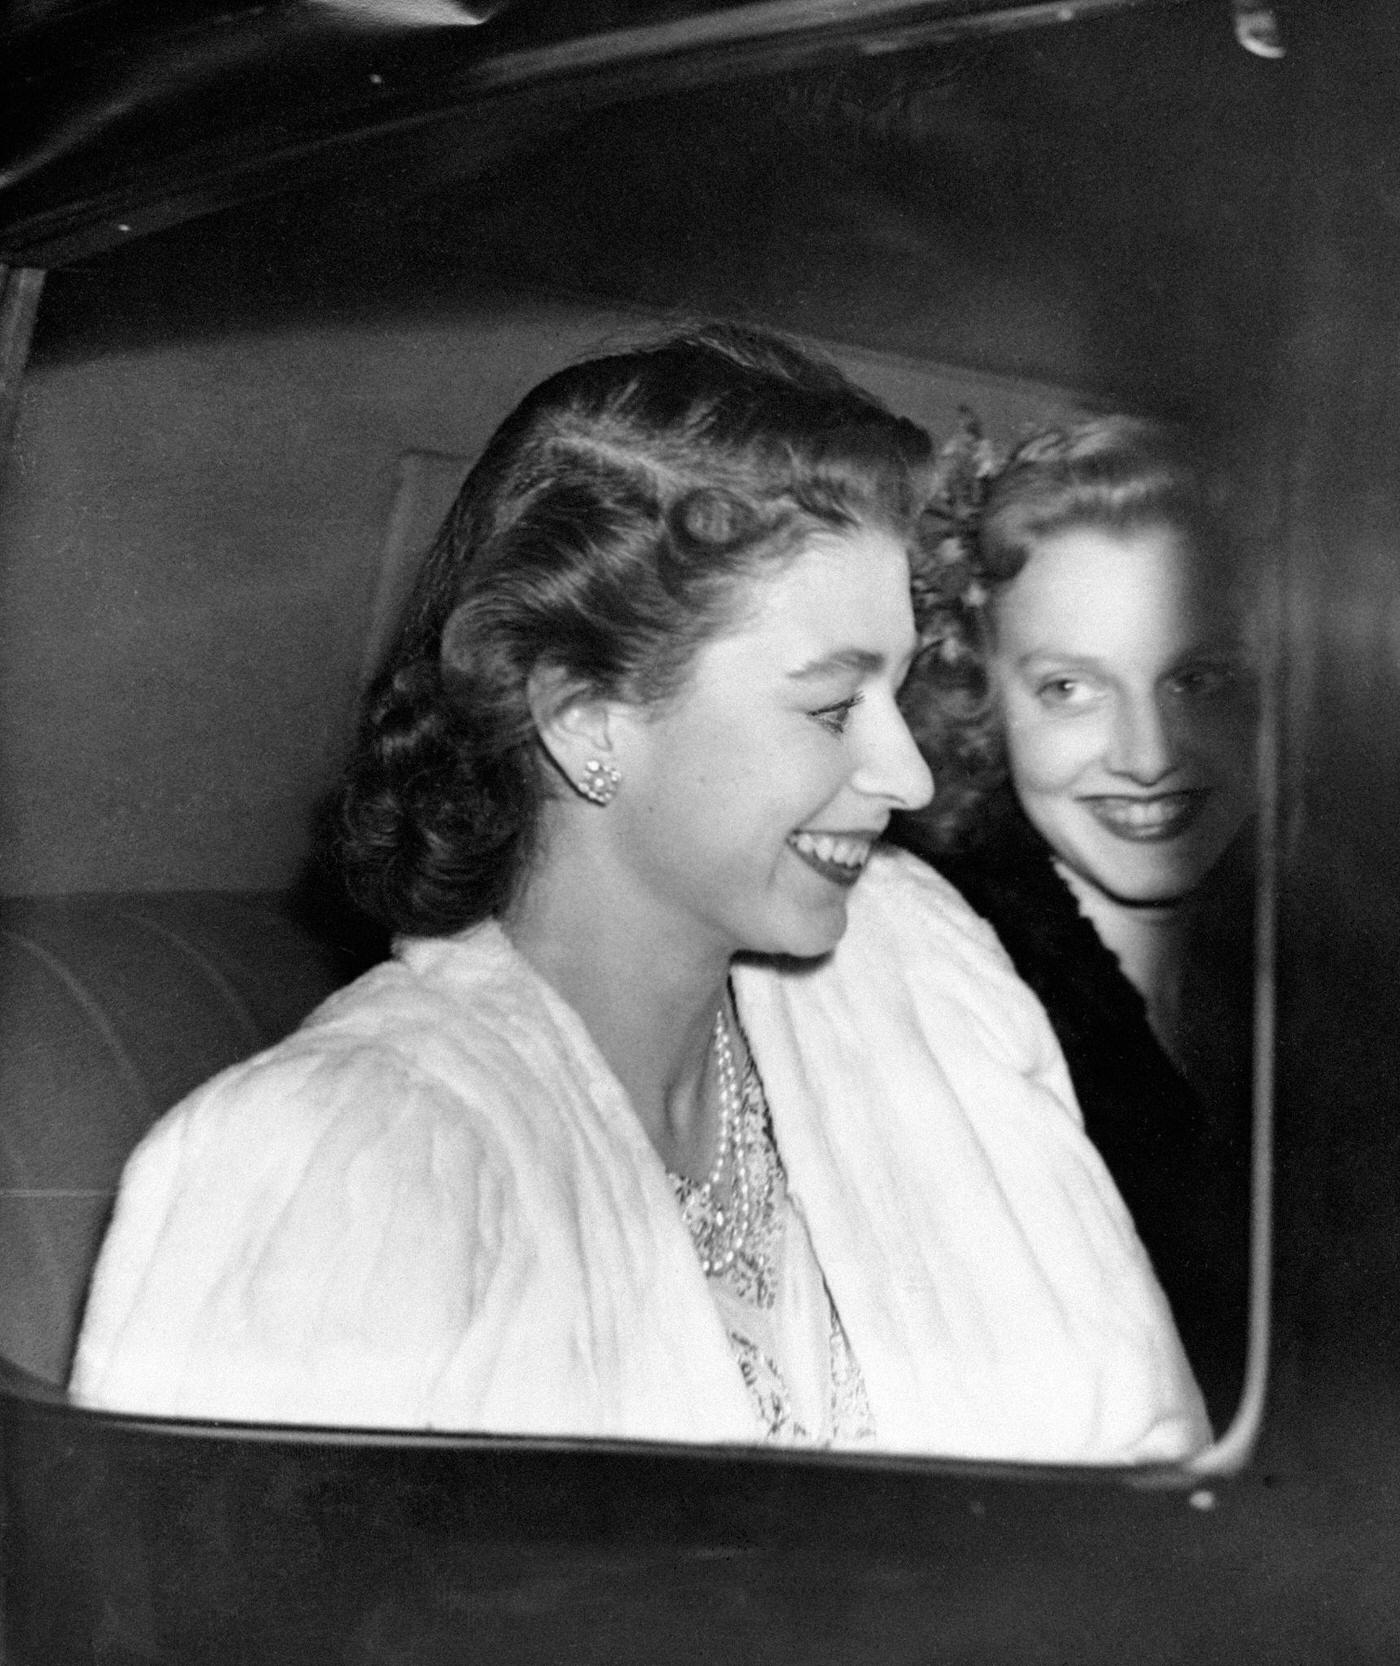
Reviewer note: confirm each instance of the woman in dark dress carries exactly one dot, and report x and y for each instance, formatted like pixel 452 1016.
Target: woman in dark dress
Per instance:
pixel 1094 799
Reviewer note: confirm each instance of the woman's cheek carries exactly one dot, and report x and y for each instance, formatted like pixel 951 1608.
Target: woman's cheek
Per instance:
pixel 1230 737
pixel 1048 753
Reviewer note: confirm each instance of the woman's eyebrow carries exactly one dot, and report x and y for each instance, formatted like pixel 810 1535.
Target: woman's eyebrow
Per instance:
pixel 861 660
pixel 865 662
pixel 1042 657
pixel 1222 645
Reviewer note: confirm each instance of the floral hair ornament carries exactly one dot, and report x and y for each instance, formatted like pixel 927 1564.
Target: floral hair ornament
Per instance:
pixel 946 583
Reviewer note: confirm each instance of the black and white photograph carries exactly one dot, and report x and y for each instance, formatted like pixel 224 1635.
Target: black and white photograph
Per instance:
pixel 699 833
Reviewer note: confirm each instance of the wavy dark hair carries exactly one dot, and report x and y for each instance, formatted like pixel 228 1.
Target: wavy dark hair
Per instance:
pixel 603 536
pixel 1115 473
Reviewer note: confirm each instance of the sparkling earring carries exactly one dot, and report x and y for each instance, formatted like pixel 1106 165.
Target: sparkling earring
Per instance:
pixel 600 782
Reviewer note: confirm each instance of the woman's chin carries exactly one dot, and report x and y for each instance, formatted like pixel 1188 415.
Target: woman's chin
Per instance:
pixel 1145 875
pixel 806 937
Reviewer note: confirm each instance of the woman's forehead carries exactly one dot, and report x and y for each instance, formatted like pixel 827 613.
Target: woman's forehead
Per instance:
pixel 1092 585
pixel 1153 560
pixel 841 590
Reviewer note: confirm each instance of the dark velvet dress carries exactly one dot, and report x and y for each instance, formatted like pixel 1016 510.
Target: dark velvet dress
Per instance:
pixel 1178 1149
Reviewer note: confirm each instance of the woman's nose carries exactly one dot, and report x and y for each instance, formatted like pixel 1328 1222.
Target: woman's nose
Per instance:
pixel 1142 745
pixel 893 767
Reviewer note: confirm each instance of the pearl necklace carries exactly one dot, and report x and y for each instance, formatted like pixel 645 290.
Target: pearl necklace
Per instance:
pixel 718 1233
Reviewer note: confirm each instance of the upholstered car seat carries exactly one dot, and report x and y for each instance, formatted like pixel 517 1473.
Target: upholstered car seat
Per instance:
pixel 111 1009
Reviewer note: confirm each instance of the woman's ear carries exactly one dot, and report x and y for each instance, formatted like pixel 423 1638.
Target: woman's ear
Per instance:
pixel 576 730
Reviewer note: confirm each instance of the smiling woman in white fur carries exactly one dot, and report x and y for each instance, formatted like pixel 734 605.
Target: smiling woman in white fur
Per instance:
pixel 684 1110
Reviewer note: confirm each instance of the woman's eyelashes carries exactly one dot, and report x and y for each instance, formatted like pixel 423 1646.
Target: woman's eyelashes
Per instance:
pixel 1199 680
pixel 1063 690
pixel 834 718
pixel 1209 679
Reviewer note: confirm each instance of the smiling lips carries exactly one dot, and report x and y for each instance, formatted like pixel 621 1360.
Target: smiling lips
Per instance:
pixel 839 857
pixel 1151 820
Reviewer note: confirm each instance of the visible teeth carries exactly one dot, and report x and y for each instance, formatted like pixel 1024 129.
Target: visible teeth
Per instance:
pixel 1146 815
pixel 845 852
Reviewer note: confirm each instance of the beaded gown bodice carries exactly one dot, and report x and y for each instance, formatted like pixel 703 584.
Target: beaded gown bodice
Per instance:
pixel 783 1328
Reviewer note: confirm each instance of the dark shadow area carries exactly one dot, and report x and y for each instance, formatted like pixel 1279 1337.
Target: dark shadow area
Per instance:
pixel 1089 204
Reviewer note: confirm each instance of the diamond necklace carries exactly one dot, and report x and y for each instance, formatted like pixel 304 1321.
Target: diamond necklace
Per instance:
pixel 719 1233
